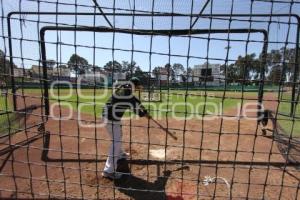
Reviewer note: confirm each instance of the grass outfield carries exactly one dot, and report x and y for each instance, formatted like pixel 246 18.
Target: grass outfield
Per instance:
pixel 177 102
pixel 91 101
pixel 4 117
pixel 289 125
pixel 173 101
pixel 197 104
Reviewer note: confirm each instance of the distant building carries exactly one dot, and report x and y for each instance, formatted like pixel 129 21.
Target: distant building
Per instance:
pixel 119 76
pixel 62 72
pixel 20 72
pixel 102 77
pixel 115 77
pixel 161 75
pixel 208 73
pixel 37 71
pixel 189 78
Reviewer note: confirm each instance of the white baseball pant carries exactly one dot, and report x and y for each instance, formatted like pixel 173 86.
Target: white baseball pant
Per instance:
pixel 114 129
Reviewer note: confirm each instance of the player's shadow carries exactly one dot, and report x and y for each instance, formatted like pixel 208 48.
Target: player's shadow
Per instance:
pixel 138 188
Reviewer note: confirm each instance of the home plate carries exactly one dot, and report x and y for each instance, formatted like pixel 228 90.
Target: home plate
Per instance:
pixel 157 153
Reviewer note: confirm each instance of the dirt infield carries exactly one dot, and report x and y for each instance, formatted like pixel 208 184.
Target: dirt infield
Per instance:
pixel 66 161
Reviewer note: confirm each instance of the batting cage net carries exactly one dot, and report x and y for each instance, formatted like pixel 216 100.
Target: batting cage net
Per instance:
pixel 153 99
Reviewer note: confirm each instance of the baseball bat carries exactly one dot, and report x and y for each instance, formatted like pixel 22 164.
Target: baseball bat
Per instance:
pixel 168 132
pixel 185 167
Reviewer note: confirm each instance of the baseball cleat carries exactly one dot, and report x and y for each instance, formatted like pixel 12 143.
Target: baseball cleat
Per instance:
pixel 112 176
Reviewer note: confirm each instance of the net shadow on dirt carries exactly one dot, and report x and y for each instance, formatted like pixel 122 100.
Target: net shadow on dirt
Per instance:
pixel 288 146
pixel 10 149
pixel 138 188
pixel 13 147
pixel 17 121
pixel 46 158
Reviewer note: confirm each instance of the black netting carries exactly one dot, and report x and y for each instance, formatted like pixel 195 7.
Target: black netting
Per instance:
pixel 208 92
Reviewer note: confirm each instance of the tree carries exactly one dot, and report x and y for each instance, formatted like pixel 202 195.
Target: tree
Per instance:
pixel 5 68
pixel 281 61
pixel 95 68
pixel 178 70
pixel 289 61
pixel 156 72
pixel 231 73
pixel 222 69
pixel 188 75
pixel 170 71
pixel 247 67
pixel 113 66
pixel 189 71
pixel 4 64
pixel 273 58
pixel 129 68
pixel 140 74
pixel 275 75
pixel 78 64
pixel 273 65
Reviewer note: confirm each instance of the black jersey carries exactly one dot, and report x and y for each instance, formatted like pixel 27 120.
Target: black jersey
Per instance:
pixel 120 101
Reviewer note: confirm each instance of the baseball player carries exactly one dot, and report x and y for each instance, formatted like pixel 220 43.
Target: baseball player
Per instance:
pixel 121 100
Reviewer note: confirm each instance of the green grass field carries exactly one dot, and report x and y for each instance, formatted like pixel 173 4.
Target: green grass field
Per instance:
pixel 5 106
pixel 290 125
pixel 173 103
pixel 195 104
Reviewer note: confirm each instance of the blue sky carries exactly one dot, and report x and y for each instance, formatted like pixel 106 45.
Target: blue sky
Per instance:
pixel 199 47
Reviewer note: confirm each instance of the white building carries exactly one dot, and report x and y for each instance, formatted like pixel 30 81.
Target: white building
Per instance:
pixel 38 70
pixel 102 77
pixel 210 73
pixel 61 71
pixel 56 72
pixel 20 72
pixel 119 76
